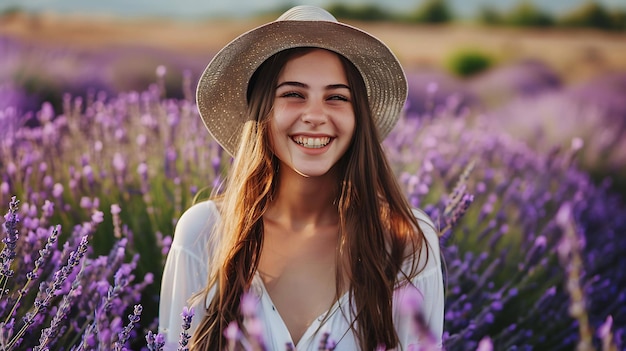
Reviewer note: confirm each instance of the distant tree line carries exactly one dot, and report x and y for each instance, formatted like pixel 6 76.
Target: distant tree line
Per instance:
pixel 525 14
pixel 590 14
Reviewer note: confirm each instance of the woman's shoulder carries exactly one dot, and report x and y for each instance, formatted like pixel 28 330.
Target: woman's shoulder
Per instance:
pixel 195 225
pixel 427 259
pixel 428 227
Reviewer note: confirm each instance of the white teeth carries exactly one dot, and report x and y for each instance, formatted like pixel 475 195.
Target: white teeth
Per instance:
pixel 312 143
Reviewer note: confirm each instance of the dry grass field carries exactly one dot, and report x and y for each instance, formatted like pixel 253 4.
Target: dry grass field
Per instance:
pixel 575 54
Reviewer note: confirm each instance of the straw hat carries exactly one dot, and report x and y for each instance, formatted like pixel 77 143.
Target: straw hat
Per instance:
pixel 221 93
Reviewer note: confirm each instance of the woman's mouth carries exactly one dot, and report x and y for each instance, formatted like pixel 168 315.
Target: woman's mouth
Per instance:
pixel 311 142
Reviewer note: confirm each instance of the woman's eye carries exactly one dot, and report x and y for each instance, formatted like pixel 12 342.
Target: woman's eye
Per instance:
pixel 291 94
pixel 338 97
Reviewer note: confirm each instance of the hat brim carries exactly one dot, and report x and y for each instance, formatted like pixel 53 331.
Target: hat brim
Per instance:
pixel 222 88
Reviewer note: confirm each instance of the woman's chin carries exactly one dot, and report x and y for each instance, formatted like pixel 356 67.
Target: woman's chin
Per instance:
pixel 311 172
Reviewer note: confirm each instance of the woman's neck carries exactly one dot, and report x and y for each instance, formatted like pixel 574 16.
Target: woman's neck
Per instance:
pixel 305 201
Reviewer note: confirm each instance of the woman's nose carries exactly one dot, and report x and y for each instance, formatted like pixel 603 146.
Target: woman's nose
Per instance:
pixel 314 113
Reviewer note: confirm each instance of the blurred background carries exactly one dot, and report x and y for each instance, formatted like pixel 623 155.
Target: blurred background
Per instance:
pixel 574 39
pixel 486 53
pixel 122 42
pixel 97 109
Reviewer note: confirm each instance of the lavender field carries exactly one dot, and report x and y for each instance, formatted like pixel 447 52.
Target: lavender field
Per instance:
pixel 526 176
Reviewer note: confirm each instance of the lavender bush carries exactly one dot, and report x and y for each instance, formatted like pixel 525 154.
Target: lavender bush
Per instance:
pixel 108 151
pixel 595 124
pixel 55 296
pixel 527 78
pixel 32 74
pixel 119 169
pixel 504 280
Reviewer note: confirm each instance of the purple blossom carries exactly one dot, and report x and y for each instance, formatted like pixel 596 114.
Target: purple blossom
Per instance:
pixel 485 344
pixel 249 305
pixel 161 70
pixel 42 302
pixel 231 333
pixel 325 343
pixel 142 170
pixel 119 164
pixel 97 217
pixel 57 191
pixel 115 209
pixel 605 328
pixel 124 335
pixel 187 316
pixel 4 188
pixel 155 342
pixel 9 227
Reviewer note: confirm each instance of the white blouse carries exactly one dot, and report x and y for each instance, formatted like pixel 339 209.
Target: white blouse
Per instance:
pixel 186 273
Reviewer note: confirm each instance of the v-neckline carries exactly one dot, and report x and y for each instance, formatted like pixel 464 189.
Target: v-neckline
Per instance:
pixel 314 327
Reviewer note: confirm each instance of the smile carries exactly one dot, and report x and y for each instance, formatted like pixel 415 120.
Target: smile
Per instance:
pixel 311 143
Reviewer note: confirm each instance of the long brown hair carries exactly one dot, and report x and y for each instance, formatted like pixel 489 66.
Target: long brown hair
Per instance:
pixel 378 232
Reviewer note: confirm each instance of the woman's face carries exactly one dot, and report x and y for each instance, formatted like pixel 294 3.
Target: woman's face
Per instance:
pixel 313 119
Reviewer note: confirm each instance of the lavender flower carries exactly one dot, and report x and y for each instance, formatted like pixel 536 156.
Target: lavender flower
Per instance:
pixel 485 344
pixel 124 335
pixel 326 343
pixel 155 342
pixel 10 242
pixel 42 302
pixel 410 304
pixel 232 334
pixel 48 335
pixel 184 335
pixel 605 334
pixel 115 211
pixel 569 254
pixel 34 274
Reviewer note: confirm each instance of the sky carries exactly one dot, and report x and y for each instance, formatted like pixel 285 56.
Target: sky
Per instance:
pixel 190 9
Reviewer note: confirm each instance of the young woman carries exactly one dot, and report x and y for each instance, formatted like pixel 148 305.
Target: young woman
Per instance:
pixel 311 221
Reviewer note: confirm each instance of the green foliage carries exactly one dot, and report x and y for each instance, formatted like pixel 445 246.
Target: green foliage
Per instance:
pixel 525 14
pixel 365 12
pixel 41 85
pixel 430 11
pixel 11 10
pixel 433 11
pixel 619 19
pixel 490 16
pixel 593 15
pixel 588 15
pixel 468 62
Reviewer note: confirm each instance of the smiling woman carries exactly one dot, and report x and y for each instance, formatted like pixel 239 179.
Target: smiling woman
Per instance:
pixel 313 120
pixel 311 223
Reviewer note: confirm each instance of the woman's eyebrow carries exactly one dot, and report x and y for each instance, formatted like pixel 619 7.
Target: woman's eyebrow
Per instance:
pixel 295 84
pixel 337 86
pixel 302 85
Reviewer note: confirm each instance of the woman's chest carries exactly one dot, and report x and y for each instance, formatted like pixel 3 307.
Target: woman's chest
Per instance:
pixel 331 326
pixel 300 278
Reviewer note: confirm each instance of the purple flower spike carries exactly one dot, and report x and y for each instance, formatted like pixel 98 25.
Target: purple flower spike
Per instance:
pixel 605 328
pixel 115 209
pixel 184 336
pixel 231 333
pixel 57 190
pixel 485 345
pixel 124 335
pixel 10 241
pixel 249 305
pixel 155 342
pixel 97 217
pixel 4 188
pixel 409 299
